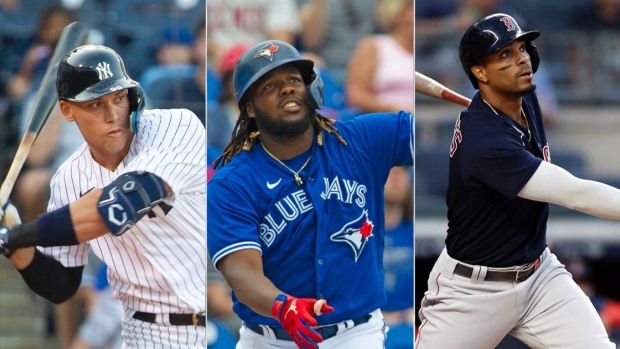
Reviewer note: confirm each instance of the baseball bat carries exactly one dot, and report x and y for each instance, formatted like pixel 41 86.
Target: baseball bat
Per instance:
pixel 46 98
pixel 432 88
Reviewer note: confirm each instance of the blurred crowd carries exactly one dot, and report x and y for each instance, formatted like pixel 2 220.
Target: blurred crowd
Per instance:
pixel 363 51
pixel 580 44
pixel 163 45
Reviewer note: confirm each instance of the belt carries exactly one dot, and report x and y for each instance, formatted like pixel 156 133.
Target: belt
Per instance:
pixel 198 319
pixel 325 331
pixel 518 275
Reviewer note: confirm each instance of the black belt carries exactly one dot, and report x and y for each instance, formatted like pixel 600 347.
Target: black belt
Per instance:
pixel 198 319
pixel 325 331
pixel 518 275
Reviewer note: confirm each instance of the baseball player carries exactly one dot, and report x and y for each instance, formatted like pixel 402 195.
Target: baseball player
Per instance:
pixel 295 213
pixel 134 193
pixel 496 275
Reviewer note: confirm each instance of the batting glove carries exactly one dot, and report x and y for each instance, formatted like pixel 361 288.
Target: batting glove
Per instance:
pixel 297 318
pixel 3 209
pixel 9 215
pixel 4 239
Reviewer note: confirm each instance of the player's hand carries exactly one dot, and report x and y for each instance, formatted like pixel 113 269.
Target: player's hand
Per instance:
pixel 2 209
pixel 297 318
pixel 4 238
pixel 9 215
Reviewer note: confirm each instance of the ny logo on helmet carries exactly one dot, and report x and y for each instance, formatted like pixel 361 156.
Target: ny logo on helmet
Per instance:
pixel 508 23
pixel 104 70
pixel 267 51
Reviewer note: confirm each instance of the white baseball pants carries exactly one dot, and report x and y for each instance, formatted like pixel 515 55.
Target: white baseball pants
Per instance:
pixel 548 310
pixel 370 335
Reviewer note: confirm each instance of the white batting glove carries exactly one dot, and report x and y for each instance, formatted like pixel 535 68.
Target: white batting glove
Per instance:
pixel 9 215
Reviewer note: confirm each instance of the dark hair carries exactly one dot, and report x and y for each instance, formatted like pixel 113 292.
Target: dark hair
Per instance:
pixel 245 134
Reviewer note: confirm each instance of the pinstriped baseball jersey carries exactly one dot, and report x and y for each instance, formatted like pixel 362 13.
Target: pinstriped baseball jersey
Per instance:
pixel 158 266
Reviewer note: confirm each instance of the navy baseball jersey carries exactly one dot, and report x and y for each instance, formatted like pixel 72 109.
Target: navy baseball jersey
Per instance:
pixel 323 239
pixel 491 160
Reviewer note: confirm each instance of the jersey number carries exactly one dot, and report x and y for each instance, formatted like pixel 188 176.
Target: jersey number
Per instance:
pixel 457 137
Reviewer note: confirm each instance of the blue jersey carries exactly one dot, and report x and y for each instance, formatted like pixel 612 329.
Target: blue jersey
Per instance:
pixel 398 264
pixel 491 160
pixel 323 239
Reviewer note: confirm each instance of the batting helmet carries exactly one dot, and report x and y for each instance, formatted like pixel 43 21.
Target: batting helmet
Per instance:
pixel 269 55
pixel 92 71
pixel 488 36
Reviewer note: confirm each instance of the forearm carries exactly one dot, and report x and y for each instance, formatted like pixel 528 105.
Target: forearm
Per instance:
pixel 314 24
pixel 22 258
pixel 253 290
pixel 243 271
pixel 555 185
pixel 115 208
pixel 85 217
pixel 66 226
pixel 48 278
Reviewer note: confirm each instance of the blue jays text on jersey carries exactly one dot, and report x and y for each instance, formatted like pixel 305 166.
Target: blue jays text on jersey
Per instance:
pixel 323 239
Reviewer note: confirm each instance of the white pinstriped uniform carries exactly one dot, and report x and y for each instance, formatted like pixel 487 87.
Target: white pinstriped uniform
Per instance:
pixel 158 266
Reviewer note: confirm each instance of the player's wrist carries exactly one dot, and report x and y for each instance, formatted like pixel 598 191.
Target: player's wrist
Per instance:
pixel 58 228
pixel 4 237
pixel 56 224
pixel 278 305
pixel 18 236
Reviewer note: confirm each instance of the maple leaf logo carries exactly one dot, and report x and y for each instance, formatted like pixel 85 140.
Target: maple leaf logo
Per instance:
pixel 355 233
pixel 267 51
pixel 366 229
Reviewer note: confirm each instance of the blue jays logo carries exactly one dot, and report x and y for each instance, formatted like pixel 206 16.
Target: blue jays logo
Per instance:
pixel 355 233
pixel 267 51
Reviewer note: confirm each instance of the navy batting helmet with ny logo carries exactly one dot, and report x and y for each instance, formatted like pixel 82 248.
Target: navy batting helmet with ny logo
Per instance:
pixel 92 71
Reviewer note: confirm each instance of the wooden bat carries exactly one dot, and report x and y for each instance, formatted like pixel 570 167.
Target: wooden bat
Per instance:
pixel 46 98
pixel 430 87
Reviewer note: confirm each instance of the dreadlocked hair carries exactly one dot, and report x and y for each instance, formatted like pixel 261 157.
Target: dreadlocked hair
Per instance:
pixel 245 134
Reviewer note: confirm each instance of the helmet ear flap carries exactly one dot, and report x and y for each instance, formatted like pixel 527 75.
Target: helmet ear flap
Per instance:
pixel 534 56
pixel 315 92
pixel 136 106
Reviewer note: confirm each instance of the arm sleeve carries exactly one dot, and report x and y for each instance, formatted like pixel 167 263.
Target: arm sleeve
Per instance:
pixel 48 278
pixel 555 185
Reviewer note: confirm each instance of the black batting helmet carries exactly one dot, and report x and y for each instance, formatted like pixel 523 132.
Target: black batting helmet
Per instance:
pixel 93 71
pixel 269 55
pixel 490 34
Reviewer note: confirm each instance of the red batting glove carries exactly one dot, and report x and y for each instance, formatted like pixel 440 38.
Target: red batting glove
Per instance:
pixel 297 318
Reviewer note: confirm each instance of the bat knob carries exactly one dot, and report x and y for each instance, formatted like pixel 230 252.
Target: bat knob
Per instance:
pixel 317 307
